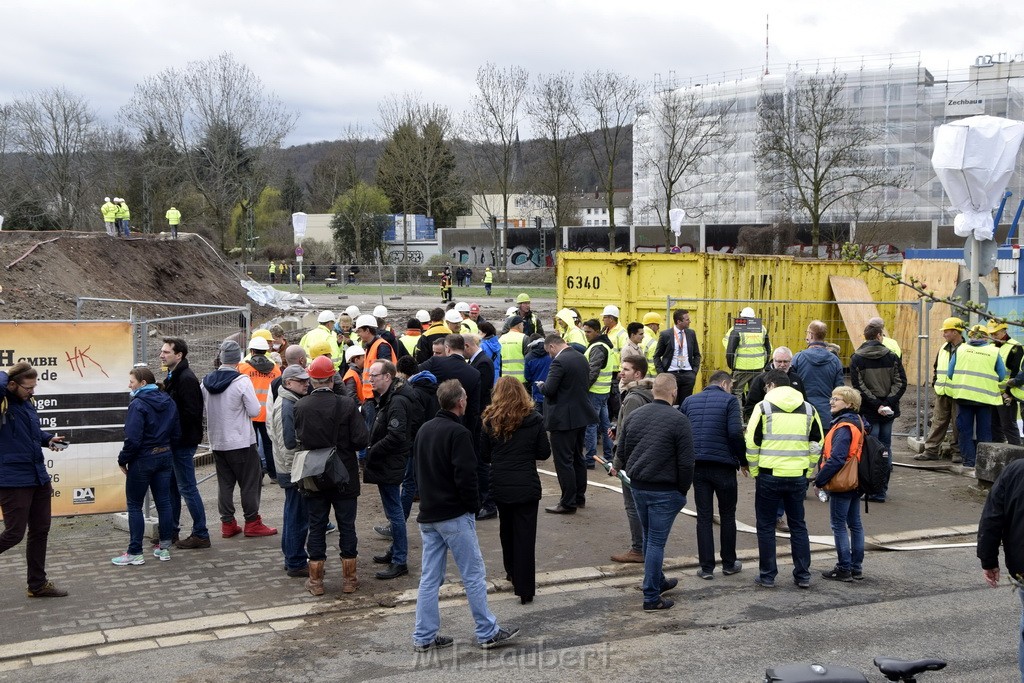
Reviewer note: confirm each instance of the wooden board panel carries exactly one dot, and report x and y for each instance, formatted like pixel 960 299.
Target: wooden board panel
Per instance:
pixel 855 316
pixel 941 277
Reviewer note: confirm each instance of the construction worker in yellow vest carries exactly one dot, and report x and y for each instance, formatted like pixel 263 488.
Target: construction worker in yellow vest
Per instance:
pixel 1004 418
pixel 173 217
pixel 513 350
pixel 488 279
pixel 944 413
pixel 783 439
pixel 123 216
pixel 323 332
pixel 109 212
pixel 413 330
pixel 565 323
pixel 469 325
pixel 619 337
pixel 974 374
pixel 599 355
pixel 887 341
pixel 653 322
pixel 746 353
pixel 272 272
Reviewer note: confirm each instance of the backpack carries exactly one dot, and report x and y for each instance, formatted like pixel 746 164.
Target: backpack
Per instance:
pixel 873 468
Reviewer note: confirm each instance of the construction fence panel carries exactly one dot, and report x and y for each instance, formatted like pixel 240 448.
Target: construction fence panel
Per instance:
pixel 400 276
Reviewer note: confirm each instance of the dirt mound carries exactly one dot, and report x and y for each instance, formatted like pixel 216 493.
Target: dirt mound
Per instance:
pixel 45 284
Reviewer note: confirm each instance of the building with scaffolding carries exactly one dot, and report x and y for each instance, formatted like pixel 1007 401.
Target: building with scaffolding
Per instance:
pixel 895 95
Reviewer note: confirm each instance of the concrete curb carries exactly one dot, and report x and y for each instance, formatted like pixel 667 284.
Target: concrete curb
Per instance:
pixel 268 620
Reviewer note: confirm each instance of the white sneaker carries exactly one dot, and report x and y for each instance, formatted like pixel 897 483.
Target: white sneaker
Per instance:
pixel 968 472
pixel 126 559
pixel 162 554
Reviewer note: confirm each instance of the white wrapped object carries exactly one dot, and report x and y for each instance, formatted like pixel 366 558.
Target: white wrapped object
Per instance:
pixel 675 220
pixel 974 159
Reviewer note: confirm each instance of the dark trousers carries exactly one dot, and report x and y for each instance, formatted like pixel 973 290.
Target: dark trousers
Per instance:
pixel 567 451
pixel 266 449
pixel 483 480
pixel 768 493
pixel 517 528
pixel 319 514
pixel 29 507
pixel 710 480
pixel 614 400
pixel 242 467
pixel 685 379
pixel 1004 424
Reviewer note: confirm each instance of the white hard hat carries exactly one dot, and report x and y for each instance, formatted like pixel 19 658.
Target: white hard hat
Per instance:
pixel 610 310
pixel 325 317
pixel 423 316
pixel 259 344
pixel 366 321
pixel 748 312
pixel 462 307
pixel 380 311
pixel 352 312
pixel 353 351
pixel 106 199
pixel 511 311
pixel 453 316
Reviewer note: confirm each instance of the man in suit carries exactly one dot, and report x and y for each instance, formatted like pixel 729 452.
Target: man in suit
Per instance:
pixel 678 353
pixel 454 366
pixel 567 412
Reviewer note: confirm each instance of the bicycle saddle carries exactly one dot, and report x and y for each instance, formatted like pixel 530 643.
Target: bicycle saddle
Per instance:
pixel 900 669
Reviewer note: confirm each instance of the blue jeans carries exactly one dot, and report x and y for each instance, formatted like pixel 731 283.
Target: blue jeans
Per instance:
pixel 459 536
pixel 294 525
pixel 409 488
pixel 770 490
pixel 600 404
pixel 657 511
pixel 183 485
pixel 149 472
pixel 391 500
pixel 844 515
pixel 975 425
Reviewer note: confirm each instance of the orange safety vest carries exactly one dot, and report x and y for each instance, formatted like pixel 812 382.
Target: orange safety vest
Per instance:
pixel 353 374
pixel 856 442
pixel 261 383
pixel 366 388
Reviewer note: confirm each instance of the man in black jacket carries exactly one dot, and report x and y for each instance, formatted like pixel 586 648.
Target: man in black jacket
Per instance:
pixel 1002 522
pixel 325 420
pixel 782 359
pixel 454 366
pixel 183 386
pixel 449 501
pixel 567 412
pixel 387 458
pixel 678 353
pixel 657 447
pixel 479 359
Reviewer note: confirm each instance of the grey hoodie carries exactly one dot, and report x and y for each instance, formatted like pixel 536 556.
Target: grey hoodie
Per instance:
pixel 230 402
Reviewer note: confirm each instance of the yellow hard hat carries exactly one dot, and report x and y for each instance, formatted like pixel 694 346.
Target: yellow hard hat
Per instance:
pixel 978 331
pixel 994 326
pixel 321 348
pixel 263 333
pixel 653 318
pixel 953 324
pixel 523 298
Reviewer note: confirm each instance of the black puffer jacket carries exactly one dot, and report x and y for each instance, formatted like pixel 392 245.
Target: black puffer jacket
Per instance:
pixel 877 373
pixel 657 447
pixel 514 477
pixel 391 436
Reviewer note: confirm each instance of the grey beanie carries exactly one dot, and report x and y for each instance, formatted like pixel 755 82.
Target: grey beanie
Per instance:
pixel 230 353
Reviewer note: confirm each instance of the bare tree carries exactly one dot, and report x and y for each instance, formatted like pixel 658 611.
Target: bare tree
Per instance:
pixel 814 153
pixel 678 141
pixel 221 120
pixel 606 111
pixel 55 129
pixel 550 105
pixel 493 125
pixel 348 163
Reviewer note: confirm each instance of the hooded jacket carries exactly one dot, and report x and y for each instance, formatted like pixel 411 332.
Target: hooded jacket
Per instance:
pixel 821 371
pixel 424 395
pixel 538 362
pixel 21 441
pixel 493 348
pixel 877 373
pixel 230 406
pixel 150 423
pixel 182 385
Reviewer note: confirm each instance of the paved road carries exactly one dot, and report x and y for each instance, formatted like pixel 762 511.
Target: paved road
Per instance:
pixel 931 603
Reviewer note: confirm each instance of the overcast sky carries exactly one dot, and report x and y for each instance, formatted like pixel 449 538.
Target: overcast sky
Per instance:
pixel 332 62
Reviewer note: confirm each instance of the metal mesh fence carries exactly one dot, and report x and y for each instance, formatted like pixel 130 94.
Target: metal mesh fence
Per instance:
pixel 403 276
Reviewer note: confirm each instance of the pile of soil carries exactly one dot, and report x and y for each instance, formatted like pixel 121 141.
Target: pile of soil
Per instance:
pixel 45 284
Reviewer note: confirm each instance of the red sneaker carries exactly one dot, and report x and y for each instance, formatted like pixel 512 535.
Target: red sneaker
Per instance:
pixel 229 529
pixel 257 528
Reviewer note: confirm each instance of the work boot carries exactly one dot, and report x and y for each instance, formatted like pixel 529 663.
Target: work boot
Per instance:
pixel 349 581
pixel 256 527
pixel 628 556
pixel 315 582
pixel 230 528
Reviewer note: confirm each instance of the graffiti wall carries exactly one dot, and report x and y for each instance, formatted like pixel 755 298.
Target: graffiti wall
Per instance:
pixel 475 247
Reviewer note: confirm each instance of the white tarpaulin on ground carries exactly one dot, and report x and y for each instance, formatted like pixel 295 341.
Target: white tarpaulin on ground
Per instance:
pixel 268 296
pixel 974 159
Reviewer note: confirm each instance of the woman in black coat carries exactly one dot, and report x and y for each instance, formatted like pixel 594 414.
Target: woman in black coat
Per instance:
pixel 513 440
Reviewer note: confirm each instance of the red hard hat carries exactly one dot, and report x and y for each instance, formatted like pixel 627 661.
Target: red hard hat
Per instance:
pixel 321 368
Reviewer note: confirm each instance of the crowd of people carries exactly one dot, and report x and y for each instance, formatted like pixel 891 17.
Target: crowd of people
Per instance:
pixel 456 411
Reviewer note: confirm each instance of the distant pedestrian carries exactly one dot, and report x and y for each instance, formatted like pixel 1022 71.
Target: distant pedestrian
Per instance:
pixel 109 213
pixel 1002 523
pixel 449 500
pixel 488 280
pixel 173 217
pixel 25 489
